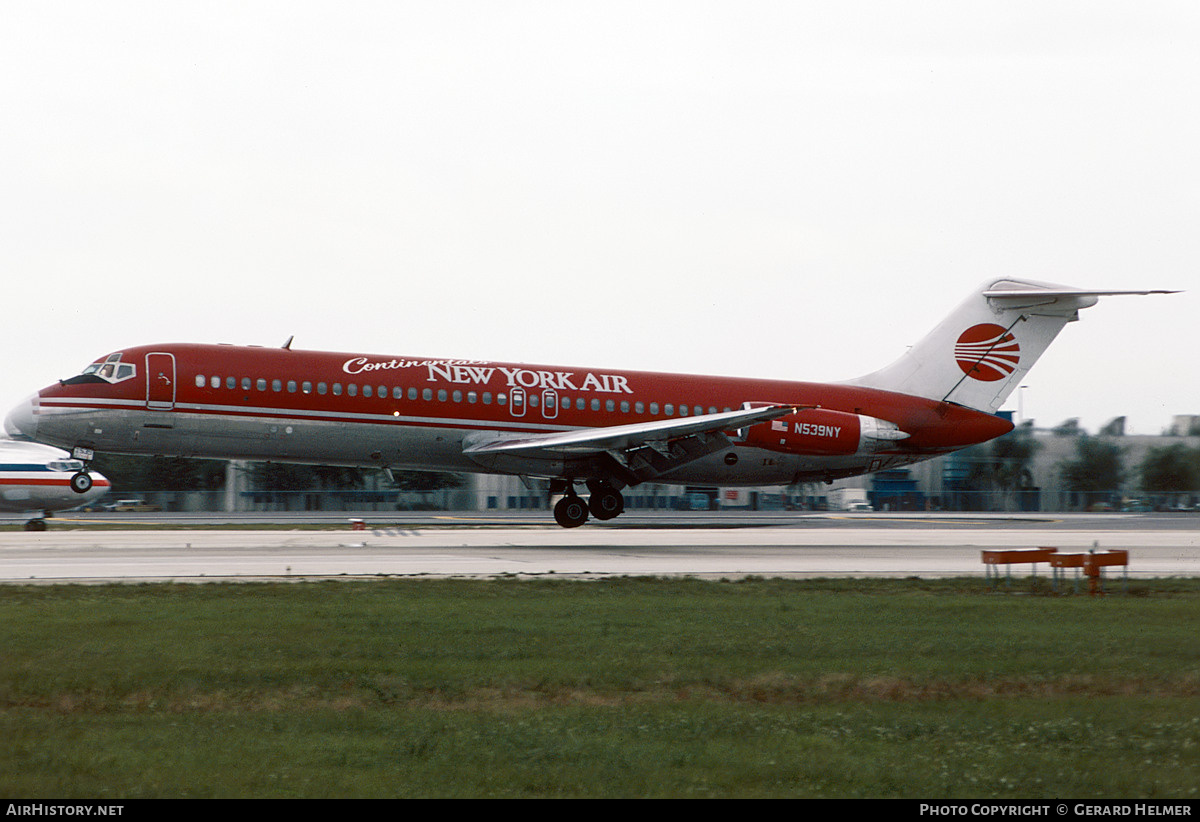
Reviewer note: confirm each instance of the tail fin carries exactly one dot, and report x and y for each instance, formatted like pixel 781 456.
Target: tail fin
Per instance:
pixel 979 354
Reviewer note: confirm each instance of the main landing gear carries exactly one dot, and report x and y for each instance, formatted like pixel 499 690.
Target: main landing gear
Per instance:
pixel 571 511
pixel 605 502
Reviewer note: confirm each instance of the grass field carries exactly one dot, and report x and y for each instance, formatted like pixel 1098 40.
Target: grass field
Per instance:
pixel 619 688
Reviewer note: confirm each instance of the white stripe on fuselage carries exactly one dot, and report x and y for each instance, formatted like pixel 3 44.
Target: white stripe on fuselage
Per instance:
pixel 301 415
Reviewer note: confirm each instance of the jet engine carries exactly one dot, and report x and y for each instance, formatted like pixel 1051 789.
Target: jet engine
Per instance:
pixel 821 432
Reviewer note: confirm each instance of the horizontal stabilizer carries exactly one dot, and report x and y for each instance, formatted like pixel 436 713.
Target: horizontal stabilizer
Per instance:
pixel 1003 293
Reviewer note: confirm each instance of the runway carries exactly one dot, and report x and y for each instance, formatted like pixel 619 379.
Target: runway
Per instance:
pixel 479 547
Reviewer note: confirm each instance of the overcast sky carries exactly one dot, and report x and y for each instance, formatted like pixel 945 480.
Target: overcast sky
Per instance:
pixel 794 189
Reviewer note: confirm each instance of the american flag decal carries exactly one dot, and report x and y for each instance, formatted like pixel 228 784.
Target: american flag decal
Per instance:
pixel 987 352
pixel 778 425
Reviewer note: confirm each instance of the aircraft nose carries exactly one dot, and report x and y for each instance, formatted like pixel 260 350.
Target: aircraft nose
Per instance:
pixel 21 422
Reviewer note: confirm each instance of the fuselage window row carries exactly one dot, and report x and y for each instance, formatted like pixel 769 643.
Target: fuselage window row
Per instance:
pixel 337 389
pixel 427 394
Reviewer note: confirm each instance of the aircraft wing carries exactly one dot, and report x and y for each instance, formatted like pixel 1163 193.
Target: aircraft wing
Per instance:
pixel 633 453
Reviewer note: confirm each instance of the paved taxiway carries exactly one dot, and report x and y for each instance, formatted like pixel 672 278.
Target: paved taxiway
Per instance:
pixel 450 546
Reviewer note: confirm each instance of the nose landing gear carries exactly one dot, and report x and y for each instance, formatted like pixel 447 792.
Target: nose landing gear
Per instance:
pixel 81 482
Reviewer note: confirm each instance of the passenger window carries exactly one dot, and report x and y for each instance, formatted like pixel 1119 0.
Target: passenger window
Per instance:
pixel 397 393
pixel 322 388
pixel 458 396
pixel 441 395
pixel 412 393
pixel 624 406
pixel 639 408
pixel 337 389
pixel 368 391
pixel 669 410
pixel 352 389
pixel 595 404
pixel 306 387
pixel 487 397
pixel 291 386
pixel 472 397
pixel 276 385
pixel 231 383
pixel 245 383
pixel 200 380
pixel 683 411
pixel 216 382
pixel 427 394
pixel 261 384
pixel 501 399
pixel 609 405
pixel 653 408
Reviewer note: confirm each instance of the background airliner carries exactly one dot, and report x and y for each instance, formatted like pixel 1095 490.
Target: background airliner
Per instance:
pixel 600 428
pixel 35 480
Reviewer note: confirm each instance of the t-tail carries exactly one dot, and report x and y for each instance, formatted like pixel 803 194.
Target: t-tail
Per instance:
pixel 979 354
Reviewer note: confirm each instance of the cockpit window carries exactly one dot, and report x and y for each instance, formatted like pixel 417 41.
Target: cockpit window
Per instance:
pixel 110 370
pixel 65 465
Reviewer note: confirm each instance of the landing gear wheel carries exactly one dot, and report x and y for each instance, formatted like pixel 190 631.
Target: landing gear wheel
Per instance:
pixel 35 525
pixel 570 512
pixel 81 482
pixel 606 503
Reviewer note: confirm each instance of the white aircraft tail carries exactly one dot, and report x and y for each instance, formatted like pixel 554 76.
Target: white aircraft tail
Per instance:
pixel 979 354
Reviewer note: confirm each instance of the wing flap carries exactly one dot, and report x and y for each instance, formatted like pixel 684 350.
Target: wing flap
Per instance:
pixel 618 438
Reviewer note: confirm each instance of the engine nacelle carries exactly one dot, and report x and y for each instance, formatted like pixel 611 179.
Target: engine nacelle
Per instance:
pixel 820 432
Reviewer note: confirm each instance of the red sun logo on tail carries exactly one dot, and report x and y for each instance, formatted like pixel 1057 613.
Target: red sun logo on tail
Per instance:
pixel 987 352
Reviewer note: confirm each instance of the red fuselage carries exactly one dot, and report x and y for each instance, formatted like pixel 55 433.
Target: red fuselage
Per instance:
pixel 414 412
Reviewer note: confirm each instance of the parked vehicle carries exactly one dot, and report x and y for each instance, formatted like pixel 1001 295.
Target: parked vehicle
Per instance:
pixel 132 505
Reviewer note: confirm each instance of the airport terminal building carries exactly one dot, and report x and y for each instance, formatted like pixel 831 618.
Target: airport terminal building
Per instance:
pixel 963 481
pixel 1031 469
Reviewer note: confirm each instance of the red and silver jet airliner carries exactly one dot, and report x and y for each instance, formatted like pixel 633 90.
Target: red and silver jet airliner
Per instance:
pixel 602 428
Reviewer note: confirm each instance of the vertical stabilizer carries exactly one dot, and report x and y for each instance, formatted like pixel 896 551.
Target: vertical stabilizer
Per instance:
pixel 979 354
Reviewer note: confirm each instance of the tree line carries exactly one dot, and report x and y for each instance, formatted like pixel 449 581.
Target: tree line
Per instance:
pixel 1097 473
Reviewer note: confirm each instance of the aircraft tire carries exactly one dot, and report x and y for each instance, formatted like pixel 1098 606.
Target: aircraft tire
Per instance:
pixel 81 482
pixel 570 512
pixel 606 503
pixel 35 525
